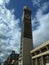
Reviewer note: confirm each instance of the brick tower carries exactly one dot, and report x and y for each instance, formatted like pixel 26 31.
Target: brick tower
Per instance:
pixel 26 38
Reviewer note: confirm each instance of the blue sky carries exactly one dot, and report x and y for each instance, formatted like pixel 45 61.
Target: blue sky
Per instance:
pixel 11 22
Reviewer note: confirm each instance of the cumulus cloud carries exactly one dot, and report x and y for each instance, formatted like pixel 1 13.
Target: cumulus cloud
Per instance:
pixel 9 31
pixel 42 33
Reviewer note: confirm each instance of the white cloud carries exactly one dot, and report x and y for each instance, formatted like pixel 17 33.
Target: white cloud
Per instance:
pixel 2 2
pixel 36 2
pixel 42 33
pixel 9 31
pixel 40 4
pixel 45 5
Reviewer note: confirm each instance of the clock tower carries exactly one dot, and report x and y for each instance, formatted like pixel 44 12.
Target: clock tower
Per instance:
pixel 26 38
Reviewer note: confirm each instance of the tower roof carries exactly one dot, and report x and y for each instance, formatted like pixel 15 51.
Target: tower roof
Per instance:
pixel 25 7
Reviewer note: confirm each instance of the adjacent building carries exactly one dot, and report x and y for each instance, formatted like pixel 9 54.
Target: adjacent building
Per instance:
pixel 40 55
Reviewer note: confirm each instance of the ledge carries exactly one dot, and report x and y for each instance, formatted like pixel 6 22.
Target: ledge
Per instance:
pixel 40 47
pixel 41 54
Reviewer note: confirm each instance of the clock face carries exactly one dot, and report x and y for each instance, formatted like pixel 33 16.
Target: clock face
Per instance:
pixel 27 16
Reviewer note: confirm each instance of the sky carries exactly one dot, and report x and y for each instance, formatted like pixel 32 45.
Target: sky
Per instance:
pixel 11 22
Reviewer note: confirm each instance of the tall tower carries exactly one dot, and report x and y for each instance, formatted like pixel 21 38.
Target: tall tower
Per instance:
pixel 26 38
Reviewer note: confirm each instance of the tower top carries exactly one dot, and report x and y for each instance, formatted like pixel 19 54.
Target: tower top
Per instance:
pixel 26 8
